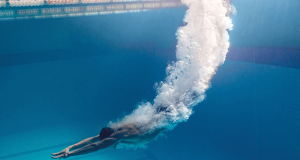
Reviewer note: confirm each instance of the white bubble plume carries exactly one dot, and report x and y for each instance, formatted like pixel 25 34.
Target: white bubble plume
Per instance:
pixel 202 47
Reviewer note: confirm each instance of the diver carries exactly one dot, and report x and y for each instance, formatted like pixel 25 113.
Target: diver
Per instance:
pixel 109 137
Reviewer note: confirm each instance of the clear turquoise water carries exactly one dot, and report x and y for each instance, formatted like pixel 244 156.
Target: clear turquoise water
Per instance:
pixel 62 80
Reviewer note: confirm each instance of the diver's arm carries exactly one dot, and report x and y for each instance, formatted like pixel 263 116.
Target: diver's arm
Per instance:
pixel 66 151
pixel 114 138
pixel 94 147
pixel 83 143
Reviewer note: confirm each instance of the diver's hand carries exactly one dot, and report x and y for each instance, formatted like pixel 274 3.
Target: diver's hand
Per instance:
pixel 65 151
pixel 62 154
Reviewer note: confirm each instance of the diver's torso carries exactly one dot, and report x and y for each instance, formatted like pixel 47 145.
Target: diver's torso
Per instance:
pixel 134 136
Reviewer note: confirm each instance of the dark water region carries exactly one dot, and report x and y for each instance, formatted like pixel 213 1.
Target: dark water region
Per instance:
pixel 56 58
pixel 284 57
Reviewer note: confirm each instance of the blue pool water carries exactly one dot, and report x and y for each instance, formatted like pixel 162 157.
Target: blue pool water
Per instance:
pixel 62 80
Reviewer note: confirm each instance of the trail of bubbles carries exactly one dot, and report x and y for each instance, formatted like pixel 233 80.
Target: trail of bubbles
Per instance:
pixel 202 47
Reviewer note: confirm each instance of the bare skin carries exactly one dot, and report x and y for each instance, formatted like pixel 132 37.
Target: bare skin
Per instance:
pixel 128 134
